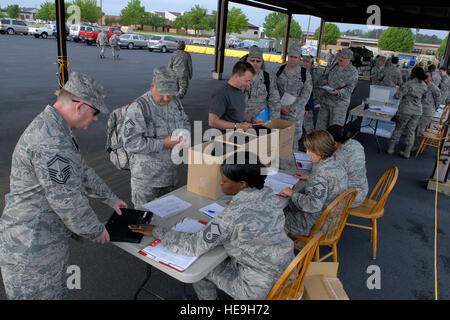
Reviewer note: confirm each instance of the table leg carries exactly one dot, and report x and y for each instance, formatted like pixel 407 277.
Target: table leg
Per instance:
pixel 376 137
pixel 142 286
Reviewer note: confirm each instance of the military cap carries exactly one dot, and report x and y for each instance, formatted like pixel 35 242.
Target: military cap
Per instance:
pixel 165 81
pixel 307 59
pixel 346 53
pixel 255 52
pixel 294 51
pixel 381 58
pixel 86 88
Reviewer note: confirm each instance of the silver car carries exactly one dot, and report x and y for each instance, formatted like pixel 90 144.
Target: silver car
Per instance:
pixel 130 41
pixel 162 43
pixel 13 26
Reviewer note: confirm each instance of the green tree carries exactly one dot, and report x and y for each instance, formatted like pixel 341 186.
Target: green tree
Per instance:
pixel 133 13
pixel 236 21
pixel 396 39
pixel 197 18
pixel 47 11
pixel 13 11
pixel 271 21
pixel 88 10
pixel 154 20
pixel 441 50
pixel 330 34
pixel 295 31
pixel 181 22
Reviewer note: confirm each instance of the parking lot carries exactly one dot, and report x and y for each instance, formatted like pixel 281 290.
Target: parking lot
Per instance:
pixel 405 253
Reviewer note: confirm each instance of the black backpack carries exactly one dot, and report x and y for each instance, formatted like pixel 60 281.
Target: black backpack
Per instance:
pixel 302 71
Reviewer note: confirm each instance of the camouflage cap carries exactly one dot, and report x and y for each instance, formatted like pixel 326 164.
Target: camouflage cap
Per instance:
pixel 86 88
pixel 181 45
pixel 346 53
pixel 165 81
pixel 255 52
pixel 308 59
pixel 294 51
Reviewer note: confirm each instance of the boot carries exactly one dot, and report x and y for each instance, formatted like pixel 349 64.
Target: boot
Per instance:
pixel 404 154
pixel 391 148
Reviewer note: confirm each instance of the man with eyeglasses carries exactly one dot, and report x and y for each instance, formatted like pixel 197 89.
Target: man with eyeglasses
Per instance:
pixel 48 202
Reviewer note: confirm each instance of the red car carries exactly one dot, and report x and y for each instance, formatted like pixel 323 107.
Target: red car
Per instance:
pixel 89 34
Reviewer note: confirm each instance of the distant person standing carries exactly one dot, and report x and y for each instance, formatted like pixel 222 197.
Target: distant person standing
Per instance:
pixel 115 48
pixel 102 41
pixel 444 85
pixel 181 63
pixel 391 75
pixel 376 72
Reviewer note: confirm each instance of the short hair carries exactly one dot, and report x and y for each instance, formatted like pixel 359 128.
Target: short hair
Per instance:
pixel 320 142
pixel 64 95
pixel 339 133
pixel 394 60
pixel 242 67
pixel 443 68
pixel 431 68
pixel 419 73
pixel 244 166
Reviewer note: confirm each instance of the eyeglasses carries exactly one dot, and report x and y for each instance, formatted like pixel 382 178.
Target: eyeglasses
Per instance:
pixel 96 111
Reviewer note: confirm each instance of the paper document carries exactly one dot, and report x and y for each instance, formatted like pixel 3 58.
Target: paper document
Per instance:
pixel 279 181
pixel 328 88
pixel 167 206
pixel 383 109
pixel 303 161
pixel 287 99
pixel 212 210
pixel 158 252
pixel 188 225
pixel 301 156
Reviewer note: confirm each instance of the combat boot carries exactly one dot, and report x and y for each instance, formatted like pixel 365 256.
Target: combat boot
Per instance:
pixel 390 149
pixel 404 154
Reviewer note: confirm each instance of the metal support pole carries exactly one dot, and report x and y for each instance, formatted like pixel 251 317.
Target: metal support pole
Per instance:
pixel 63 72
pixel 286 36
pixel 220 45
pixel 319 43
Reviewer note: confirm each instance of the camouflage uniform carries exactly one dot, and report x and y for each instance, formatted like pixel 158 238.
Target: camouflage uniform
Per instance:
pixel 444 86
pixel 430 102
pixel 407 117
pixel 326 182
pixel 333 108
pixel 390 76
pixel 251 229
pixel 291 82
pixel 375 75
pixel 47 203
pixel 115 48
pixel 351 156
pixel 436 77
pixel 146 124
pixel 316 75
pixel 181 63
pixel 102 41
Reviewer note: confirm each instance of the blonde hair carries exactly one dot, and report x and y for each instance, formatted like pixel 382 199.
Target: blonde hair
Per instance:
pixel 320 142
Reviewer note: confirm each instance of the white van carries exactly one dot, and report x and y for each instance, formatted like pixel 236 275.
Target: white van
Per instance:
pixel 74 32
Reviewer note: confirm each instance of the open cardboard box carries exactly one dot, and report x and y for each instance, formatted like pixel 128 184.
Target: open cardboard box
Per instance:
pixel 285 129
pixel 322 283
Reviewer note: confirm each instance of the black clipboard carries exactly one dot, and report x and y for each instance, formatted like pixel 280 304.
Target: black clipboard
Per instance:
pixel 117 226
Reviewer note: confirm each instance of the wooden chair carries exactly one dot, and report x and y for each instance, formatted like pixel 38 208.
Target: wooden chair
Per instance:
pixel 331 223
pixel 372 207
pixel 284 288
pixel 432 139
pixel 434 126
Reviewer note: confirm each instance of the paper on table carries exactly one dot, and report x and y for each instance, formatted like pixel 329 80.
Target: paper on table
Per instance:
pixel 212 210
pixel 188 225
pixel 287 99
pixel 167 206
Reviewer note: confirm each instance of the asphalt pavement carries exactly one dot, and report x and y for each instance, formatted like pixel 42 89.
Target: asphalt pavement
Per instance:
pixel 406 232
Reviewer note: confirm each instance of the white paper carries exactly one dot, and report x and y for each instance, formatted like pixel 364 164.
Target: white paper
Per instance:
pixel 328 88
pixel 279 181
pixel 188 225
pixel 167 206
pixel 161 254
pixel 212 210
pixel 276 185
pixel 301 156
pixel 287 99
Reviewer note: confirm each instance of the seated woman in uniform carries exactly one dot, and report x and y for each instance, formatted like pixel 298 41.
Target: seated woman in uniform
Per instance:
pixel 251 229
pixel 350 154
pixel 326 182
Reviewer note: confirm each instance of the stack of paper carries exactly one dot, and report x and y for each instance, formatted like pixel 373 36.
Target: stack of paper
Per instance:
pixel 383 109
pixel 188 225
pixel 212 210
pixel 279 181
pixel 167 206
pixel 303 161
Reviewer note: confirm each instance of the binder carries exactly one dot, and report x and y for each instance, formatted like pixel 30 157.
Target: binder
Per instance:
pixel 117 226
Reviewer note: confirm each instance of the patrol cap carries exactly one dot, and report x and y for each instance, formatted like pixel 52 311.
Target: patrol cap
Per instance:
pixel 346 53
pixel 294 51
pixel 165 81
pixel 308 59
pixel 86 88
pixel 255 52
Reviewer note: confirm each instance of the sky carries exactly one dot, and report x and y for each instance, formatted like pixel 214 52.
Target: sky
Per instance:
pixel 255 15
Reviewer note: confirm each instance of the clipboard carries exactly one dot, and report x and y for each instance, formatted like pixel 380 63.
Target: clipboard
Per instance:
pixel 117 226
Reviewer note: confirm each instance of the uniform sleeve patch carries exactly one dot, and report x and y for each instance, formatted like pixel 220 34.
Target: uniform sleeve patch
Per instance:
pixel 59 169
pixel 129 126
pixel 212 233
pixel 319 190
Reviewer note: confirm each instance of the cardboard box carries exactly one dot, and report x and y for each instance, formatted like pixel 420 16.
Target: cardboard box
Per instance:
pixel 286 130
pixel 203 168
pixel 322 283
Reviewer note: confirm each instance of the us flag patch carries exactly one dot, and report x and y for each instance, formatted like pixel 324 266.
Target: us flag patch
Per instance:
pixel 59 169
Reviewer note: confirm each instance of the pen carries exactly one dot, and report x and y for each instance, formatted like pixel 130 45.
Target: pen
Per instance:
pixel 211 211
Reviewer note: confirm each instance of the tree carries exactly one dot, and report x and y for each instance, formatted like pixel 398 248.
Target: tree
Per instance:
pixel 154 20
pixel 13 11
pixel 236 21
pixel 133 13
pixel 197 18
pixel 271 21
pixel 88 10
pixel 330 34
pixel 396 39
pixel 295 31
pixel 47 11
pixel 441 50
pixel 181 22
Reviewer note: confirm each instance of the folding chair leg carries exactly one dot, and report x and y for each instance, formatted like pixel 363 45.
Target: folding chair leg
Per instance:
pixel 420 147
pixel 374 240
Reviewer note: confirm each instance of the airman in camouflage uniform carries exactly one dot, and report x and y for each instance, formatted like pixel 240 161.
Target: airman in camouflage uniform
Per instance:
pixel 290 81
pixel 351 156
pixel 102 41
pixel 251 229
pixel 256 96
pixel 326 182
pixel 430 102
pixel 181 63
pixel 148 126
pixel 376 72
pixel 316 76
pixel 47 201
pixel 444 86
pixel 334 104
pixel 115 48
pixel 407 117
pixel 391 75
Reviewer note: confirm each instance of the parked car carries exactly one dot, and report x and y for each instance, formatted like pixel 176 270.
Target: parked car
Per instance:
pixel 74 32
pixel 130 41
pixel 42 32
pixel 55 30
pixel 162 43
pixel 13 26
pixel 88 34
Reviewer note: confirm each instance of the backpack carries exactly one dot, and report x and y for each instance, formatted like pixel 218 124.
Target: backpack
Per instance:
pixel 302 71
